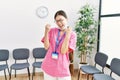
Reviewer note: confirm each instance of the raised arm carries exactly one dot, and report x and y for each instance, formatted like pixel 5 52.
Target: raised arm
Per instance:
pixel 46 36
pixel 65 44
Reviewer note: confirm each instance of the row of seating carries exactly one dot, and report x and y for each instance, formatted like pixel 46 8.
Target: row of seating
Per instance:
pixel 101 59
pixel 21 54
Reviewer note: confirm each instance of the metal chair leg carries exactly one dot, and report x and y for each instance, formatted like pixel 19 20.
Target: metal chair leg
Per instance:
pixel 28 72
pixel 79 74
pixel 15 73
pixel 34 71
pixel 8 71
pixel 87 76
pixel 33 74
pixel 5 74
pixel 10 74
pixel 92 77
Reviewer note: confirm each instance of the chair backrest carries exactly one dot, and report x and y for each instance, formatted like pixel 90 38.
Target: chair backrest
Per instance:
pixel 101 59
pixel 115 66
pixel 39 52
pixel 21 53
pixel 71 57
pixel 4 55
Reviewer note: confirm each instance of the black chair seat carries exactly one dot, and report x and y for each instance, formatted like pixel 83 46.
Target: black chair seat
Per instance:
pixel 90 69
pixel 102 77
pixel 3 67
pixel 37 64
pixel 19 66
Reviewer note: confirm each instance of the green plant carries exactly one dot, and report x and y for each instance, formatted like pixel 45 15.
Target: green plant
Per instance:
pixel 86 28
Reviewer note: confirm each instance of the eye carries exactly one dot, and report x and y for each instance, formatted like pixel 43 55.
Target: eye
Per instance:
pixel 60 20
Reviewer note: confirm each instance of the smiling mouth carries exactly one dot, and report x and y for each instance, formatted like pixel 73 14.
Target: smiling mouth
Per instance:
pixel 63 27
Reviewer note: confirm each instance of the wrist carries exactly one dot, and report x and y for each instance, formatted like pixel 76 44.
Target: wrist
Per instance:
pixel 46 34
pixel 46 31
pixel 67 36
pixel 67 33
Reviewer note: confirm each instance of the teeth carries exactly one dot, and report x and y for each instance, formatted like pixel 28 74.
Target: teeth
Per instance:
pixel 63 27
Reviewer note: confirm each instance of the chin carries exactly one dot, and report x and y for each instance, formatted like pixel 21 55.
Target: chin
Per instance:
pixel 62 28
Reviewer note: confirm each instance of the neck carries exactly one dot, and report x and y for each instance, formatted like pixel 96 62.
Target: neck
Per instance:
pixel 62 30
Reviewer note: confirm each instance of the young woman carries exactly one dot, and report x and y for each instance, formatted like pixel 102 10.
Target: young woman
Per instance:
pixel 59 42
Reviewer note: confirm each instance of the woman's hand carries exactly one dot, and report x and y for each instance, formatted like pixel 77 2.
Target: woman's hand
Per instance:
pixel 68 30
pixel 47 28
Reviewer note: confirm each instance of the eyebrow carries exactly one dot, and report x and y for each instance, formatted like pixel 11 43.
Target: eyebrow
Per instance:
pixel 59 19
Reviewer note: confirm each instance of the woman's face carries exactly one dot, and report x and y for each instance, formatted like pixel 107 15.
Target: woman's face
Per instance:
pixel 61 21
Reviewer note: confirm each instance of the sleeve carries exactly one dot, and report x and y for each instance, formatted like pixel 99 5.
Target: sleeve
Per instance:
pixel 72 42
pixel 42 40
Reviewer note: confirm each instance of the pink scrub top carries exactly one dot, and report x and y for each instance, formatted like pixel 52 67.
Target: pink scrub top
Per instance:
pixel 58 67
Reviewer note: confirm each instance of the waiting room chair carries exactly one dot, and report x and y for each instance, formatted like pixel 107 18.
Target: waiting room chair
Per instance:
pixel 20 54
pixel 100 59
pixel 4 56
pixel 38 53
pixel 71 66
pixel 115 68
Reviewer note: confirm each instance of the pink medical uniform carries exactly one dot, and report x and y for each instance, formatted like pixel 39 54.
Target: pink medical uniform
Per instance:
pixel 58 67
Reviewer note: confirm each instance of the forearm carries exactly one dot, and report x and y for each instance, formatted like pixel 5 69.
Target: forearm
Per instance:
pixel 65 44
pixel 46 40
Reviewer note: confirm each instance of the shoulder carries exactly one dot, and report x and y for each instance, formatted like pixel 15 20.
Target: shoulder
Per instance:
pixel 54 29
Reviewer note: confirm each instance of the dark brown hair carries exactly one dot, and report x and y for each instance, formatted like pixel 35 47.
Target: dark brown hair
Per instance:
pixel 60 12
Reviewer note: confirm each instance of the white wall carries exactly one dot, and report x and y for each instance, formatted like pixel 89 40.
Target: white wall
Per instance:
pixel 21 28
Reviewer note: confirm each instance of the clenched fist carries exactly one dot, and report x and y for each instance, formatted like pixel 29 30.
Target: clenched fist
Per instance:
pixel 68 30
pixel 47 28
